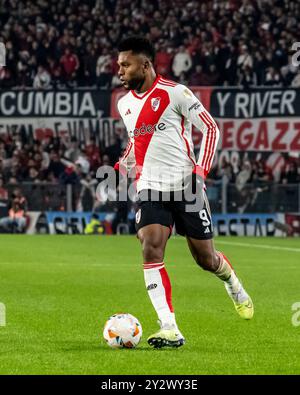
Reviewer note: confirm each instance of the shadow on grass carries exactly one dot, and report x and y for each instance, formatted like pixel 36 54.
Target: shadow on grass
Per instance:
pixel 83 346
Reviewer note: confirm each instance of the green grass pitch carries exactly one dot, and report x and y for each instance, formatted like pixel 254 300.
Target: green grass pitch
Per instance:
pixel 59 291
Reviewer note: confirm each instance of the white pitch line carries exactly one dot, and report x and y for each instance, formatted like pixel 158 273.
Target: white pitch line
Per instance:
pixel 264 246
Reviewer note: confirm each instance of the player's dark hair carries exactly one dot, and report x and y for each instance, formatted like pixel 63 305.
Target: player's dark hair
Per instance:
pixel 137 45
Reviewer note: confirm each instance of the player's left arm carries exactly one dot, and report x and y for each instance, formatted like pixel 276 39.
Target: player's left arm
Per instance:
pixel 192 109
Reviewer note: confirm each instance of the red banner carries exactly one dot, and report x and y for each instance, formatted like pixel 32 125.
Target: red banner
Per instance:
pixel 269 134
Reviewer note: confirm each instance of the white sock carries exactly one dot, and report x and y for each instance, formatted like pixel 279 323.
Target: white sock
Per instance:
pixel 160 292
pixel 232 284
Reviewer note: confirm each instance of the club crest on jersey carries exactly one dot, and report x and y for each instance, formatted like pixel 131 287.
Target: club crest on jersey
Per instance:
pixel 155 102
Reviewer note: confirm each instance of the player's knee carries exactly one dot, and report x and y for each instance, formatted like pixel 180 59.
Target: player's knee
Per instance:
pixel 208 261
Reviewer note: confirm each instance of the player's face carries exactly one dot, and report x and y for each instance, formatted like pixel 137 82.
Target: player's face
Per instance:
pixel 132 69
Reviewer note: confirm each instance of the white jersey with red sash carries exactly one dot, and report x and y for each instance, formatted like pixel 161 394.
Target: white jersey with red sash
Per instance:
pixel 159 125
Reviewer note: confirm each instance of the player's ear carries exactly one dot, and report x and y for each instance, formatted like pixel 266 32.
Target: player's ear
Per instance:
pixel 146 65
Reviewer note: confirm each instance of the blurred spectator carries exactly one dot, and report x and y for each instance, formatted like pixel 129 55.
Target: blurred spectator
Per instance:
pixel 73 152
pixel 183 78
pixel 182 62
pixel 16 220
pixel 24 69
pixel 163 61
pixel 6 80
pixel 289 71
pixel 3 191
pixel 70 65
pixel 33 175
pixel 226 171
pixel 70 175
pixel 244 59
pixel 106 160
pixel 94 227
pixel 92 152
pixel 260 65
pixel 244 192
pixel 260 173
pixel 87 196
pixel 83 162
pixel 197 77
pixel 247 77
pixel 290 174
pixel 212 77
pixel 104 69
pixel 243 176
pixel 230 71
pixel 273 77
pixel 56 167
pixel 42 80
pixel 55 71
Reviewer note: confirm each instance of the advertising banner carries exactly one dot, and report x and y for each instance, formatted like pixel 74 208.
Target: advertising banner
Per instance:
pixel 72 113
pixel 276 224
pixel 249 224
pixel 257 120
pixel 75 222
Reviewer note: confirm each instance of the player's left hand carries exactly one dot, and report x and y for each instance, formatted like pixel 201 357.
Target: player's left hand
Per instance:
pixel 195 188
pixel 195 181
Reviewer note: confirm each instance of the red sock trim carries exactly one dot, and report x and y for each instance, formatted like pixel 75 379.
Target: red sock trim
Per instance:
pixel 152 265
pixel 167 286
pixel 226 259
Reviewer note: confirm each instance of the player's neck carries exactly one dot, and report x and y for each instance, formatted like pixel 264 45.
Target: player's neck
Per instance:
pixel 148 82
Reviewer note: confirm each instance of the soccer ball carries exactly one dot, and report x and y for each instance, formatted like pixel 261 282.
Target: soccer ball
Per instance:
pixel 122 330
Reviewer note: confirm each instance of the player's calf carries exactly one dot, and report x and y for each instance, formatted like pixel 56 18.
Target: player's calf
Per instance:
pixel 207 261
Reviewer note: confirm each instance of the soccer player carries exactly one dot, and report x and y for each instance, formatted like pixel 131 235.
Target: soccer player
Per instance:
pixel 158 115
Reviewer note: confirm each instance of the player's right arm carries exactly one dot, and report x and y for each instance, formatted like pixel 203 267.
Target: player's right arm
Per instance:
pixel 127 160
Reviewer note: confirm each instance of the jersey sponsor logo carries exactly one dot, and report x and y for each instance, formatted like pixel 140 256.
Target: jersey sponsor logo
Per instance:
pixel 128 112
pixel 195 106
pixel 155 102
pixel 144 129
pixel 151 286
pixel 138 216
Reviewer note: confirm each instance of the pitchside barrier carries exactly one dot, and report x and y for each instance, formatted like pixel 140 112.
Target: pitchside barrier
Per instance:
pixel 224 197
pixel 256 209
pixel 254 224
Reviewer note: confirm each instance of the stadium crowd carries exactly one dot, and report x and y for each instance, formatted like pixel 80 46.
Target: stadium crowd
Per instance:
pixel 74 42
